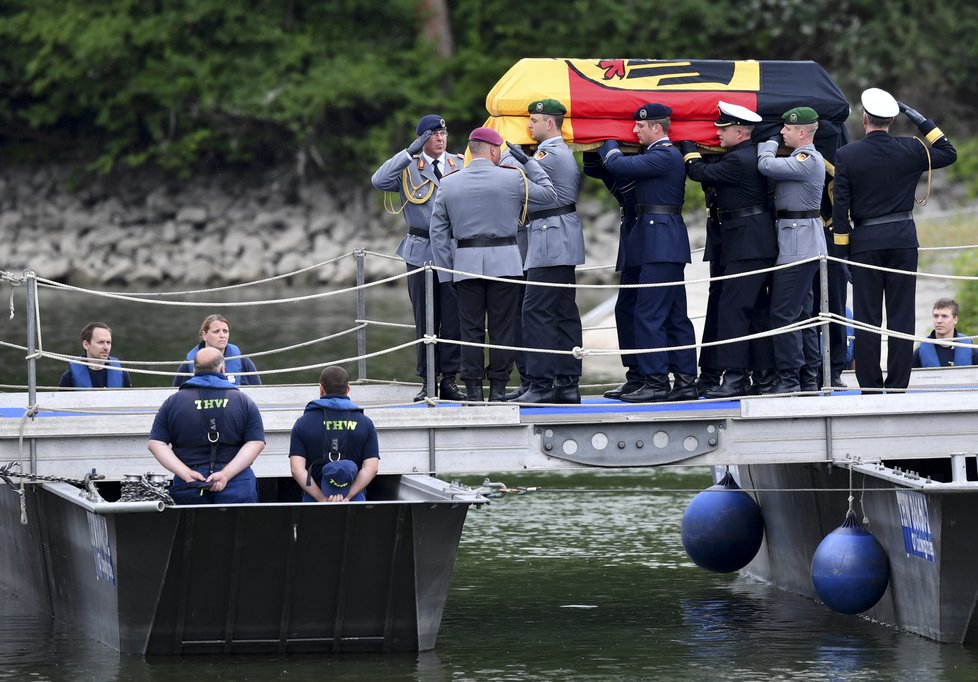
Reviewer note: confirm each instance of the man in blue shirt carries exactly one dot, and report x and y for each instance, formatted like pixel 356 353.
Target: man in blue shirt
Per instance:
pixel 91 371
pixel 332 433
pixel 208 434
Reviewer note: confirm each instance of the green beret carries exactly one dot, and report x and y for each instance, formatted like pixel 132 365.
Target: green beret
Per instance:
pixel 800 115
pixel 551 107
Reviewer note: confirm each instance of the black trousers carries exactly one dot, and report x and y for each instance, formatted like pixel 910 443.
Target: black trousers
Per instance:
pixel 486 304
pixel 447 355
pixel 625 316
pixel 791 301
pixel 520 355
pixel 745 305
pixel 708 354
pixel 551 321
pixel 869 289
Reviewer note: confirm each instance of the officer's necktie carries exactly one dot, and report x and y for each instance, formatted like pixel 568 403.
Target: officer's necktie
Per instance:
pixel 434 167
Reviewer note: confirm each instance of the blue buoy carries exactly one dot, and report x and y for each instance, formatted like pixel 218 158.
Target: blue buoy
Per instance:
pixel 722 527
pixel 850 570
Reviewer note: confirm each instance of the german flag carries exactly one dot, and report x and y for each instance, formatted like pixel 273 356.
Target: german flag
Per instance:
pixel 601 95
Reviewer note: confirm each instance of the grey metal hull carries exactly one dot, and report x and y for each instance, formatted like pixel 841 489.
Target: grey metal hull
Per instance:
pixel 241 578
pixel 934 596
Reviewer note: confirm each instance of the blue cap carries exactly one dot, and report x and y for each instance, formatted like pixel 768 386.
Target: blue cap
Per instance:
pixel 431 122
pixel 652 112
pixel 337 477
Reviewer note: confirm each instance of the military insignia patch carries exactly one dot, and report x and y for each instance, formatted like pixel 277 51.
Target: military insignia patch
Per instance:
pixel 801 157
pixel 540 155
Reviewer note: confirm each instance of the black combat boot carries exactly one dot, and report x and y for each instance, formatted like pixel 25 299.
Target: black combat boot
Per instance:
pixel 473 391
pixel 787 381
pixel 764 381
pixel 708 379
pixel 540 392
pixel 654 389
pixel 497 391
pixel 566 390
pixel 448 389
pixel 633 382
pixel 423 393
pixel 684 387
pixel 736 382
pixel 809 378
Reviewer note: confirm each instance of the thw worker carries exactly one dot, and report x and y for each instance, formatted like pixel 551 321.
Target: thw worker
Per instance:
pixel 208 434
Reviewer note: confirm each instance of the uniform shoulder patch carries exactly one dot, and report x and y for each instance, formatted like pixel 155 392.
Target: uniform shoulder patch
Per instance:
pixel 803 156
pixel 540 154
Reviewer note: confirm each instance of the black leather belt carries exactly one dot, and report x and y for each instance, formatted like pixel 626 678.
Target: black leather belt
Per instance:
pixel 814 213
pixel 658 209
pixel 880 220
pixel 485 241
pixel 550 212
pixel 742 212
pixel 418 232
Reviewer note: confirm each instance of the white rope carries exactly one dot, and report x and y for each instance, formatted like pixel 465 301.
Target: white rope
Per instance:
pixel 911 273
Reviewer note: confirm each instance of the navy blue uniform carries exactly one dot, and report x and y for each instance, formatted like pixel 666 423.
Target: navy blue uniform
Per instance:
pixel 747 233
pixel 875 181
pixel 333 423
pixel 184 421
pixel 658 247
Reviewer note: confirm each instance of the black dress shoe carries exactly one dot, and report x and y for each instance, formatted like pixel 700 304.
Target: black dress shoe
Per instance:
pixel 763 381
pixel 518 391
pixel 708 380
pixel 684 388
pixel 787 382
pixel 655 389
pixel 633 382
pixel 538 393
pixel 735 383
pixel 449 390
pixel 421 395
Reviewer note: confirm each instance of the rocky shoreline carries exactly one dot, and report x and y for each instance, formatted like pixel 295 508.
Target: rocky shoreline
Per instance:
pixel 149 229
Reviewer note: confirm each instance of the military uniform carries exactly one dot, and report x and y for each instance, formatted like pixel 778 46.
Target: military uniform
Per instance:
pixel 799 180
pixel 749 243
pixel 658 247
pixel 473 230
pixel 417 181
pixel 623 190
pixel 875 181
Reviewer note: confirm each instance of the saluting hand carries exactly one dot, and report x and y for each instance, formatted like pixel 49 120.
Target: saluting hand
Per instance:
pixel 912 114
pixel 416 146
pixel 517 152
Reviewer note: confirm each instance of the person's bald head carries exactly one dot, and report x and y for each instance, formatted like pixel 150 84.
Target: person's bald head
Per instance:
pixel 208 360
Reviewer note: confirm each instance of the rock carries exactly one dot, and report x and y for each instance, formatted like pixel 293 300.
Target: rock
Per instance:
pixel 194 215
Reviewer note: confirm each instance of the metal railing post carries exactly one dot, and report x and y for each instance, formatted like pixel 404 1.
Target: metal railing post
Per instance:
pixel 32 325
pixel 823 286
pixel 429 322
pixel 361 315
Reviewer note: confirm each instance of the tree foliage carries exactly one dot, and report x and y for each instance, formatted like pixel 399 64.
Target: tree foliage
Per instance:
pixel 181 83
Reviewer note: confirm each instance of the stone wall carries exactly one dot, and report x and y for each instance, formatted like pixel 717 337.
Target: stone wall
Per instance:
pixel 151 230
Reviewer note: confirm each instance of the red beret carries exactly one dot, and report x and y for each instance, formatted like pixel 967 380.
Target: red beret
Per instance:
pixel 486 135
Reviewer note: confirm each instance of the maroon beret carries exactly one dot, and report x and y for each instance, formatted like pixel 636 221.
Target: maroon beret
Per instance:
pixel 486 135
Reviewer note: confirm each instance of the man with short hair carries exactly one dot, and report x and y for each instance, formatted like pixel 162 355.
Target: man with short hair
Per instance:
pixel 415 173
pixel 208 434
pixel 92 371
pixel 749 243
pixel 945 316
pixel 872 218
pixel 333 453
pixel 798 183
pixel 658 247
pixel 473 230
pixel 555 245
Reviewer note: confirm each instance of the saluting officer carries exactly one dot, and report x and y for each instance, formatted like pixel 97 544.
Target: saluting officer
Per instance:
pixel 658 246
pixel 416 173
pixel 875 180
pixel 623 190
pixel 798 183
pixel 749 243
pixel 555 244
pixel 473 231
